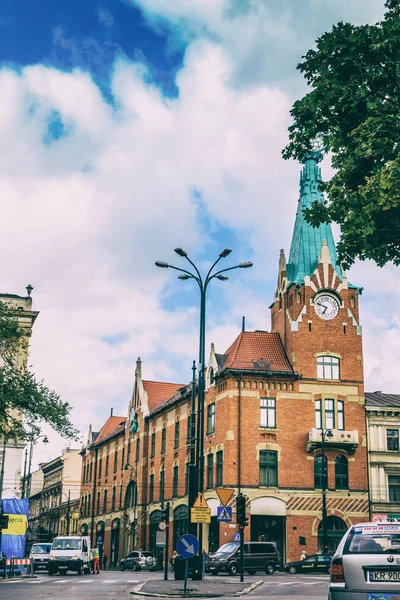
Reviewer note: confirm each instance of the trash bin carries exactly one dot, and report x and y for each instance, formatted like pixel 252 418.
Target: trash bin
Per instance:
pixel 179 568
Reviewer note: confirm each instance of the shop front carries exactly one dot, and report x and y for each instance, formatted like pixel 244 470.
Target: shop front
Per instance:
pixel 115 533
pixel 100 528
pixel 268 522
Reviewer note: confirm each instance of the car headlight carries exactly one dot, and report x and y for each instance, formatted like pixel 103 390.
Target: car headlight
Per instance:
pixel 76 556
pixel 51 557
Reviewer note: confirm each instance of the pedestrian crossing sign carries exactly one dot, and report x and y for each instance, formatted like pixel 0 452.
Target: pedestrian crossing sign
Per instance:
pixel 224 513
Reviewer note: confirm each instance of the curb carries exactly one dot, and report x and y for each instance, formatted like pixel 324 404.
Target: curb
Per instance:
pixel 137 591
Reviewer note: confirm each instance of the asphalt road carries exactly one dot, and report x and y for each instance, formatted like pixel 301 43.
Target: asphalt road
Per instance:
pixel 112 585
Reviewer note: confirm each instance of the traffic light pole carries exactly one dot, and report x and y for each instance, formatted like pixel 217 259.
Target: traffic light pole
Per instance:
pixel 166 541
pixel 241 553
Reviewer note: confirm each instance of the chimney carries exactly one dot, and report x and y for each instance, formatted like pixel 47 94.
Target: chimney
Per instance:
pixel 111 413
pixel 243 323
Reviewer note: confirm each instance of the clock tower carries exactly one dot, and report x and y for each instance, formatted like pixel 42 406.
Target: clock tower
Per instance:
pixel 315 308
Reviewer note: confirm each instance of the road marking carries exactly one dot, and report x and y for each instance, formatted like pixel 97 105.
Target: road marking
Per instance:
pixel 85 581
pixel 133 581
pixel 40 581
pixel 109 580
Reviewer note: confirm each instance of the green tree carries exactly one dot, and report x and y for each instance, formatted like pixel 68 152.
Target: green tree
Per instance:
pixel 353 112
pixel 21 395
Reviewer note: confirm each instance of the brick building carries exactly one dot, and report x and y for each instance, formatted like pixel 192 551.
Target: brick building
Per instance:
pixel 268 397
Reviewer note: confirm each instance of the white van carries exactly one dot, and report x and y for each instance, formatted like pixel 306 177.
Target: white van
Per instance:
pixel 39 555
pixel 70 553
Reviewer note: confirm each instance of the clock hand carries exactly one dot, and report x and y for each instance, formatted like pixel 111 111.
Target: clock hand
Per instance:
pixel 325 308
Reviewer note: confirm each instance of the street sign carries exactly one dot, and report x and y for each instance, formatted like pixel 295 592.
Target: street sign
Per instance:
pixel 162 526
pixel 225 494
pixel 224 513
pixel 187 545
pixel 236 537
pixel 200 515
pixel 161 538
pixel 200 502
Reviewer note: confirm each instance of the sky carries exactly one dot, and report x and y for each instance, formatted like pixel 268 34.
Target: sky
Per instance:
pixel 131 127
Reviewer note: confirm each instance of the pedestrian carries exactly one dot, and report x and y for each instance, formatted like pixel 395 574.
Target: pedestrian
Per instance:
pixel 172 561
pixel 304 555
pixel 96 561
pixel 104 561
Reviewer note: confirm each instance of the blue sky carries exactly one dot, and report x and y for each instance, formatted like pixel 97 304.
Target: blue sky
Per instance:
pixel 131 127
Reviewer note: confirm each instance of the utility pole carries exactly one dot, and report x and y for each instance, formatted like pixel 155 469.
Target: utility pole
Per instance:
pixel 24 477
pixel 68 509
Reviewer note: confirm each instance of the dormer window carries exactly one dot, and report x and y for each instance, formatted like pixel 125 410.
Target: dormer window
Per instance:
pixel 210 376
pixel 328 367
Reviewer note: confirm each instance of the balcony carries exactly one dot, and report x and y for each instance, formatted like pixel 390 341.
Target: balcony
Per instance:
pixel 345 440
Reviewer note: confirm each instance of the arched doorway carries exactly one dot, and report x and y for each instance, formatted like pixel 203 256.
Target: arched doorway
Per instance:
pixel 130 504
pixel 336 528
pixel 100 527
pixel 84 529
pixel 155 518
pixel 115 527
pixel 268 522
pixel 181 515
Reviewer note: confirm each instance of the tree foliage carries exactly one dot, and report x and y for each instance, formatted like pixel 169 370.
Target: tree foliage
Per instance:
pixel 353 111
pixel 25 403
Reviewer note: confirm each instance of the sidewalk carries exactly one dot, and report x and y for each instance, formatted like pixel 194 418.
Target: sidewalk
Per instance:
pixel 215 587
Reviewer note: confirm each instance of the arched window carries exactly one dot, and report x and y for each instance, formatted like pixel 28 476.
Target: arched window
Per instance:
pixel 336 528
pixel 341 473
pixel 130 495
pixel 319 471
pixel 210 376
pixel 280 301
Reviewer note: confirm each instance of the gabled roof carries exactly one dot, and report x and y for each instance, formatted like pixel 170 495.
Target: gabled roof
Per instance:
pixel 382 399
pixel 257 351
pixel 307 240
pixel 159 392
pixel 113 426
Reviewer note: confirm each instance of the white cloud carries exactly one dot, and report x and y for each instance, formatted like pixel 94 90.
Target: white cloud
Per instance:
pixel 85 216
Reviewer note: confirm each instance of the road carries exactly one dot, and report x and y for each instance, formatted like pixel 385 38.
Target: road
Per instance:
pixel 112 585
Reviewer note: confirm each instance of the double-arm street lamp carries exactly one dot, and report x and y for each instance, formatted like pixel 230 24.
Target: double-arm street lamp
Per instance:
pixel 26 482
pixel 325 433
pixel 196 477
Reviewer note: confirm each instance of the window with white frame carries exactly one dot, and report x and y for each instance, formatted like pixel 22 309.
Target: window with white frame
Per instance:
pixel 329 414
pixel 267 412
pixel 211 418
pixel 394 488
pixel 328 367
pixel 392 440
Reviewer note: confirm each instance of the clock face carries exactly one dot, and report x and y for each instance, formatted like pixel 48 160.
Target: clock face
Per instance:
pixel 326 307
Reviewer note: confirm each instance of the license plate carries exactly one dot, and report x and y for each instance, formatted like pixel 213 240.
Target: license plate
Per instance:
pixel 384 576
pixel 383 597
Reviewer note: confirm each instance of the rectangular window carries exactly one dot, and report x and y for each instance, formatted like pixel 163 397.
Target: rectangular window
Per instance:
pixel 392 439
pixel 163 440
pixel 115 461
pixel 107 460
pixel 328 367
pixel 340 414
pixel 394 488
pixel 151 488
pixel 218 474
pixel 268 467
pixel 105 501
pixel 123 458
pixel 100 467
pixel 120 497
pixel 267 412
pixel 98 503
pixel 210 471
pixel 90 471
pixel 175 482
pixel 187 479
pixel 177 431
pixel 113 498
pixel 162 485
pixel 137 449
pixel 211 418
pixel 153 445
pixel 318 414
pixel 128 454
pixel 329 414
pixel 89 505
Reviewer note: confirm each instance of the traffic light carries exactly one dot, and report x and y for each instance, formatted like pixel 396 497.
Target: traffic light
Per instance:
pixel 241 509
pixel 165 513
pixel 4 521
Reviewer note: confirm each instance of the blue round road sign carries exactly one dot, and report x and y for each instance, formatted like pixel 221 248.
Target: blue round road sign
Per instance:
pixel 187 545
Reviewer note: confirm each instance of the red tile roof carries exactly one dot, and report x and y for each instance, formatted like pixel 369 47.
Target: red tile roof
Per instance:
pixel 112 426
pixel 159 392
pixel 257 351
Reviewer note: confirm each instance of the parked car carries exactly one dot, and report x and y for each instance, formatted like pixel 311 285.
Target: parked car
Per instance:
pixel 39 555
pixel 320 563
pixel 366 564
pixel 258 556
pixel 138 560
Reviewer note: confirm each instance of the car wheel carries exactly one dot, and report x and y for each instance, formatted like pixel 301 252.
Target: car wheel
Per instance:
pixel 149 562
pixel 270 569
pixel 233 569
pixel 121 566
pixel 292 570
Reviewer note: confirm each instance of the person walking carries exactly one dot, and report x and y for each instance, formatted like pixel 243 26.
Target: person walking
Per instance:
pixel 172 561
pixel 104 561
pixel 96 561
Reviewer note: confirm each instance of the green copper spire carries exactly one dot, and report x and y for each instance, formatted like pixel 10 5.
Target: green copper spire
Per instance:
pixel 307 240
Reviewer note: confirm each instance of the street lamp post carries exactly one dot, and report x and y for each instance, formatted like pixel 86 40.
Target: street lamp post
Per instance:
pixel 33 440
pixel 68 517
pixel 198 480
pixel 324 433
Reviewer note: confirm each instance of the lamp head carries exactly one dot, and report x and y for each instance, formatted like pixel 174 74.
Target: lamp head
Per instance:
pixel 45 440
pixel 183 277
pixel 245 265
pixel 329 434
pixel 222 277
pixel 180 252
pixel 225 252
pixel 162 264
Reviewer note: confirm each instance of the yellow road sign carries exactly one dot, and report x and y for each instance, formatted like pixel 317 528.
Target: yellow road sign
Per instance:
pixel 200 515
pixel 200 502
pixel 225 494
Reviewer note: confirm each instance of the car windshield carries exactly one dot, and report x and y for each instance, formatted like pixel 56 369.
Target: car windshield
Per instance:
pixel 42 549
pixel 374 539
pixel 226 549
pixel 66 544
pixel 146 554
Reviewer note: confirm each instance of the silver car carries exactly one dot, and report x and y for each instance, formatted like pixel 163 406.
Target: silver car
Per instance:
pixel 366 565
